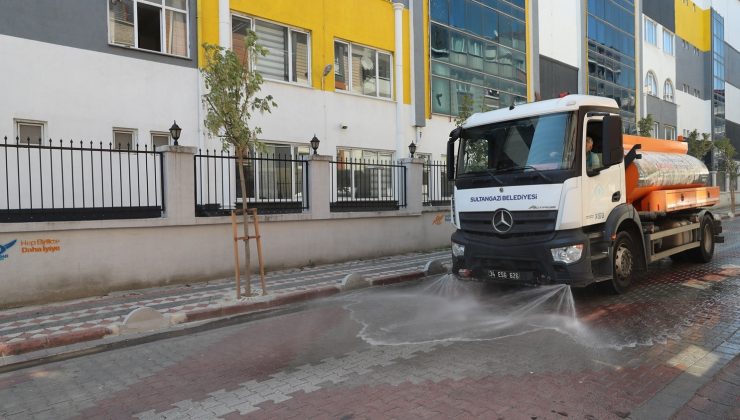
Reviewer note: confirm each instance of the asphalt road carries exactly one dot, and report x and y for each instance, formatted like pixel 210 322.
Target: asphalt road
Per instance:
pixel 436 348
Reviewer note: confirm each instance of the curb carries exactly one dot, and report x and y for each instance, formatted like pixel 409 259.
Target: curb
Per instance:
pixel 97 333
pixel 41 343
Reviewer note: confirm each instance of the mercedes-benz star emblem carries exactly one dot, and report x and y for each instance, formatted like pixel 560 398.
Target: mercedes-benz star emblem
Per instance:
pixel 502 221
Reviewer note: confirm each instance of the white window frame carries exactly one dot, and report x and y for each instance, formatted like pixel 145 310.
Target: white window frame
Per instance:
pixel 162 27
pixel 672 44
pixel 159 133
pixel 17 122
pixel 654 25
pixel 670 132
pixel 291 29
pixel 258 183
pixel 123 130
pixel 656 130
pixel 377 70
pixel 368 166
pixel 669 93
pixel 651 76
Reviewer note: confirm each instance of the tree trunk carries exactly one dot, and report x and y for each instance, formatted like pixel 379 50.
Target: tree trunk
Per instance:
pixel 243 186
pixel 733 187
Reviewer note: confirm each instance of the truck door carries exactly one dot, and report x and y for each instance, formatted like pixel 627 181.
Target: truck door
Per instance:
pixel 602 187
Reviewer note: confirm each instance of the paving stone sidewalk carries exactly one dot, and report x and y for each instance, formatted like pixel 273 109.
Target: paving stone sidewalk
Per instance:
pixel 34 328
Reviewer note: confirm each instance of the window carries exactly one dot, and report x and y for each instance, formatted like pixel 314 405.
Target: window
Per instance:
pixel 149 25
pixel 160 139
pixel 123 138
pixel 545 143
pixel 30 132
pixel 670 133
pixel 651 32
pixel 362 70
pixel 368 181
pixel 288 57
pixel 651 85
pixel 277 177
pixel 668 40
pixel 239 29
pixel 668 91
pixel 655 131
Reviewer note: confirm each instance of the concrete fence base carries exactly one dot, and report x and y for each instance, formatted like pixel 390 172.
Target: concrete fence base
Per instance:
pixel 90 258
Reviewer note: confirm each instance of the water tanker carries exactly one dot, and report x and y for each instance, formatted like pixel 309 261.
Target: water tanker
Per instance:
pixel 553 192
pixel 666 178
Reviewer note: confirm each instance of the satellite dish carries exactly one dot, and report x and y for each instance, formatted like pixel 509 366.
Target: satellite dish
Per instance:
pixel 367 63
pixel 327 69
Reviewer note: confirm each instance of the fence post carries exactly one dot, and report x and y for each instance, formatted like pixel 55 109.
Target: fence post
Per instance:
pixel 319 186
pixel 414 180
pixel 179 176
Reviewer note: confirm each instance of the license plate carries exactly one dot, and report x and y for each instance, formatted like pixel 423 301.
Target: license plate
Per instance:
pixel 505 275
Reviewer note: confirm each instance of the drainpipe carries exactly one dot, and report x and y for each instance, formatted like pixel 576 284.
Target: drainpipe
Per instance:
pixel 224 28
pixel 224 24
pixel 398 17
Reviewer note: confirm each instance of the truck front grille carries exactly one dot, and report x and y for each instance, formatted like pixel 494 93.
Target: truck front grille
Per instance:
pixel 526 223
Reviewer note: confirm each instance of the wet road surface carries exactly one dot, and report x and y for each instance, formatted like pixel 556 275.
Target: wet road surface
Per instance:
pixel 436 348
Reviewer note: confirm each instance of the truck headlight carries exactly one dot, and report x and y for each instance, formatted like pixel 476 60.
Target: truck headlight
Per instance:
pixel 567 254
pixel 458 250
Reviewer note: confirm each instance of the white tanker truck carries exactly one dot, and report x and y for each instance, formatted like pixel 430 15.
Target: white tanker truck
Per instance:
pixel 535 203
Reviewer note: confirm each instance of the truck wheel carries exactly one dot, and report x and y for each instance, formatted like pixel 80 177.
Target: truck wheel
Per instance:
pixel 705 252
pixel 623 263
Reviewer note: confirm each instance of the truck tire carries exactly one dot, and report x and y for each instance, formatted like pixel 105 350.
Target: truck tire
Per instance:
pixel 623 263
pixel 705 251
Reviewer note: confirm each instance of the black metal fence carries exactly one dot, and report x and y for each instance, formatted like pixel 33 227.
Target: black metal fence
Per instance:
pixel 362 185
pixel 436 188
pixel 44 182
pixel 274 183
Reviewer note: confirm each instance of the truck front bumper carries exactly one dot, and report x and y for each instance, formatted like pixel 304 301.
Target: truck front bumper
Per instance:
pixel 524 260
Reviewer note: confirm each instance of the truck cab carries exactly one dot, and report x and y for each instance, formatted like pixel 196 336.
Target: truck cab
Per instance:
pixel 540 197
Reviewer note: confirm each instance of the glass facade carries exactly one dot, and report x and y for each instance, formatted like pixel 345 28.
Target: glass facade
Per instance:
pixel 478 54
pixel 611 54
pixel 718 76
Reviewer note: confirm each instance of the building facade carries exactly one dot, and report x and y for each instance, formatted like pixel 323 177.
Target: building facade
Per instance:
pixel 112 72
pixel 675 60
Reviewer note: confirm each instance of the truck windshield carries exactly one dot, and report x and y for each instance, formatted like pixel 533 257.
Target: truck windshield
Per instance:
pixel 539 143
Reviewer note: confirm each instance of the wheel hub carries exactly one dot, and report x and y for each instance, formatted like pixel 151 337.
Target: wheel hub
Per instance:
pixel 623 262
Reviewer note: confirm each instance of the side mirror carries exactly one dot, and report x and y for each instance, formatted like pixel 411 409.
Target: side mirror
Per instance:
pixel 454 135
pixel 612 150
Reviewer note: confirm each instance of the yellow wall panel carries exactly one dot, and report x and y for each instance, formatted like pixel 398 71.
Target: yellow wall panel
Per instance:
pixel 366 22
pixel 693 24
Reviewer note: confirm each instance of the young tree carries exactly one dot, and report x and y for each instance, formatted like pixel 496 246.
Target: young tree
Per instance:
pixel 232 85
pixel 698 148
pixel 728 165
pixel 645 126
pixel 465 109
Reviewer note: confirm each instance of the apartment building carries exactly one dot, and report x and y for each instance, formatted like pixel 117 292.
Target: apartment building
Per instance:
pixel 337 70
pixel 111 72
